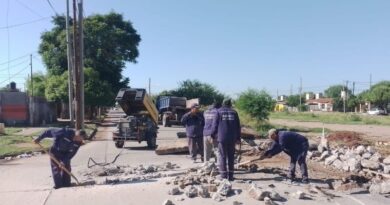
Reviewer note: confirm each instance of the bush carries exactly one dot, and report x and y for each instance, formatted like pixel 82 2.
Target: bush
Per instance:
pixel 354 118
pixel 257 103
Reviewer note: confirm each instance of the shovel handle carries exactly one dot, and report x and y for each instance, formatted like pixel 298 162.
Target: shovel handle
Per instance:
pixel 59 163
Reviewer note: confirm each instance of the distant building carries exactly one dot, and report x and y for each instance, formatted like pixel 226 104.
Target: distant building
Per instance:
pixel 321 104
pixel 16 108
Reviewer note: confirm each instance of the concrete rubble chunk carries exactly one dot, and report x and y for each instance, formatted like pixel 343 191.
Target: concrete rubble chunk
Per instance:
pixel 217 197
pixel 386 169
pixel 191 192
pixel 207 168
pixel 367 155
pixel 380 188
pixel 324 155
pixel 387 160
pixel 178 146
pixel 338 164
pixel 354 165
pixel 373 165
pixel 331 159
pixel 203 192
pixel 376 157
pixel 299 195
pixel 224 188
pixel 275 196
pixel 360 150
pixel 257 193
pixel 168 202
pixel 268 201
pixel 174 191
pixel 371 149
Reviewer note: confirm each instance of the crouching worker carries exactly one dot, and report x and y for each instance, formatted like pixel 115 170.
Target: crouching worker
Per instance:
pixel 293 144
pixel 66 143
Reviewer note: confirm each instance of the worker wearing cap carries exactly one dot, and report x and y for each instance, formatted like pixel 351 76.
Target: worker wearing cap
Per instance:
pixel 293 144
pixel 228 130
pixel 210 140
pixel 194 123
pixel 65 145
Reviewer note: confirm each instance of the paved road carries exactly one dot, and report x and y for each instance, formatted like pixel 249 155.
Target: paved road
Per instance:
pixel 28 181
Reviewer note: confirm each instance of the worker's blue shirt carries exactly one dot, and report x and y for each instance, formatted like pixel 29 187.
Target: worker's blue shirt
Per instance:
pixel 210 116
pixel 291 143
pixel 227 125
pixel 63 144
pixel 194 124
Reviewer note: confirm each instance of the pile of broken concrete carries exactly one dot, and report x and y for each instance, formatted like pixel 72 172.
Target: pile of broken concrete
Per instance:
pixel 363 161
pixel 114 174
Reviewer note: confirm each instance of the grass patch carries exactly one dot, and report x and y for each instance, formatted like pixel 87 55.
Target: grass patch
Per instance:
pixel 261 127
pixel 12 130
pixel 13 145
pixel 332 117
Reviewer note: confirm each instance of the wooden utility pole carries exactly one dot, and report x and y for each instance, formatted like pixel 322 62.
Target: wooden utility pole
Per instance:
pixel 81 61
pixel 32 93
pixel 300 95
pixel 70 65
pixel 150 82
pixel 76 68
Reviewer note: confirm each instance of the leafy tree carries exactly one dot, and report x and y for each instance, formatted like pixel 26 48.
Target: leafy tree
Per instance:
pixel 379 94
pixel 294 100
pixel 335 93
pixel 256 103
pixel 196 89
pixel 39 84
pixel 97 92
pixel 109 42
pixel 57 88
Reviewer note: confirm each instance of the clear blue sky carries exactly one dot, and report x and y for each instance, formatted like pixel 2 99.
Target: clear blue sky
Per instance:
pixel 231 44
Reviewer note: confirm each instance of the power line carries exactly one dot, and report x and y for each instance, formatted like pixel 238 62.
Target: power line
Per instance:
pixel 15 65
pixel 8 39
pixel 52 7
pixel 15 59
pixel 22 24
pixel 15 74
pixel 28 8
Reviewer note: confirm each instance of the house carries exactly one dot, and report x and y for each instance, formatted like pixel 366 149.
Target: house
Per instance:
pixel 320 104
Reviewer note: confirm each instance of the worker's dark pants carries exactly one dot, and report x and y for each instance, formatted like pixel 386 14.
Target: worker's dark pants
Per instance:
pixel 301 159
pixel 226 152
pixel 60 177
pixel 195 145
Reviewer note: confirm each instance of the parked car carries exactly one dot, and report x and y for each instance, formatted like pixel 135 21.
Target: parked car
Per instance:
pixel 376 111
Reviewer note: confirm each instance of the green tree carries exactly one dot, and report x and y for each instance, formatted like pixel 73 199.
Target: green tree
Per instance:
pixel 379 94
pixel 57 88
pixel 97 92
pixel 196 89
pixel 109 42
pixel 294 100
pixel 39 84
pixel 334 92
pixel 257 103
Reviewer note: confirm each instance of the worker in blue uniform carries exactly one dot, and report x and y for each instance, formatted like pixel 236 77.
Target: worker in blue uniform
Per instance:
pixel 66 143
pixel 194 123
pixel 293 144
pixel 210 140
pixel 228 130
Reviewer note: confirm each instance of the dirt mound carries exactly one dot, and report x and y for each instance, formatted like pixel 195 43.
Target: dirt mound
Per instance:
pixel 347 138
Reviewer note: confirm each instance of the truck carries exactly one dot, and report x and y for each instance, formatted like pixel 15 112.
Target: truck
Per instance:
pixel 171 109
pixel 141 120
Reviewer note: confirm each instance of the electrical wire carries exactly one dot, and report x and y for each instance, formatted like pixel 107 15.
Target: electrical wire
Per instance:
pixel 22 24
pixel 30 9
pixel 8 40
pixel 15 59
pixel 52 7
pixel 15 65
pixel 15 75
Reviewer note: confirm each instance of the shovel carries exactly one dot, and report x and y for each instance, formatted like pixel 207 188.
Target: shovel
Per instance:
pixel 59 164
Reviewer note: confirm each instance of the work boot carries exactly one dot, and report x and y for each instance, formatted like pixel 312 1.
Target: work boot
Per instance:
pixel 305 181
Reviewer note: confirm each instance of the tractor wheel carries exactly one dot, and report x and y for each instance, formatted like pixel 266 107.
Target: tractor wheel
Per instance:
pixel 119 144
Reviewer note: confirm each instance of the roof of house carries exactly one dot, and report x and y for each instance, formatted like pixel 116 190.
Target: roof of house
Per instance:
pixel 320 100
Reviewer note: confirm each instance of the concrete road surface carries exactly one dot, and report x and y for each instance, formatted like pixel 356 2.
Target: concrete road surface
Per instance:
pixel 28 181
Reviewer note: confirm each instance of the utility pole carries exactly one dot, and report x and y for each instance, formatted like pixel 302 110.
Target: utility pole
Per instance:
pixel 291 89
pixel 76 69
pixel 353 88
pixel 370 80
pixel 81 60
pixel 32 93
pixel 300 94
pixel 277 94
pixel 70 69
pixel 150 82
pixel 346 94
